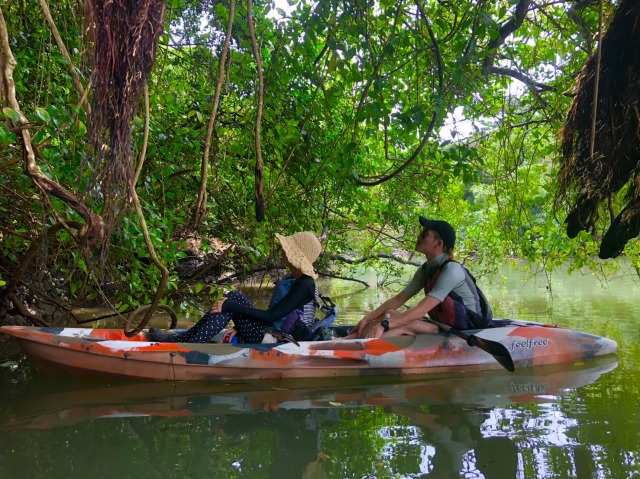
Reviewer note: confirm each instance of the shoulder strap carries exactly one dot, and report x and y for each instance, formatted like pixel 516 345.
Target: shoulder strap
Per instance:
pixel 280 291
pixel 487 313
pixel 430 272
pixel 463 267
pixel 447 261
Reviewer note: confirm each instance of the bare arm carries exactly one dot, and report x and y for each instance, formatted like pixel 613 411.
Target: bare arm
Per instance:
pixel 412 314
pixel 390 304
pixel 405 322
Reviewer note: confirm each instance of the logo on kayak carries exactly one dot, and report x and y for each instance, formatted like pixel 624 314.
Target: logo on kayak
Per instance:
pixel 529 344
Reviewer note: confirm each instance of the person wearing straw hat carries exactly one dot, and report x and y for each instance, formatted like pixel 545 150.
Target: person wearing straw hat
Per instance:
pixel 294 309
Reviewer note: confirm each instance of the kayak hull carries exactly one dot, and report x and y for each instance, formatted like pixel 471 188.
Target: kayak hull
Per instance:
pixel 109 352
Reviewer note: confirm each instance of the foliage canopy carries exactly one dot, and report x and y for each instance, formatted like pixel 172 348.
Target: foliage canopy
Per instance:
pixel 371 113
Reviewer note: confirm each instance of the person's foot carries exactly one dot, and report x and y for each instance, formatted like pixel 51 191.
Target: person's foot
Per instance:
pixel 158 336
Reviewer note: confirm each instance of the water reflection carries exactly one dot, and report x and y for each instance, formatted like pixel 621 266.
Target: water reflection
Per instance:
pixel 582 422
pixel 457 443
pixel 434 427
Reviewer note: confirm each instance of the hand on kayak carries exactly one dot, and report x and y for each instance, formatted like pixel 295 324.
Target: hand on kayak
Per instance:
pixel 375 332
pixel 356 328
pixel 360 327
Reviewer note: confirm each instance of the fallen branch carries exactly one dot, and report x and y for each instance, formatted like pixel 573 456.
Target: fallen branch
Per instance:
pixel 24 311
pixel 329 275
pixel 364 259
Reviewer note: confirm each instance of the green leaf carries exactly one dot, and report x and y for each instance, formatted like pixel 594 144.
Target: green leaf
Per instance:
pixel 43 114
pixel 6 137
pixel 11 113
pixel 351 146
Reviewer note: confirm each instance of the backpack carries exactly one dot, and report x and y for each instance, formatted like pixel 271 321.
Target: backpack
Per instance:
pixel 478 321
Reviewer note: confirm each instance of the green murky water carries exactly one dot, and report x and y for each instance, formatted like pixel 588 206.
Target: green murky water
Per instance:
pixel 579 420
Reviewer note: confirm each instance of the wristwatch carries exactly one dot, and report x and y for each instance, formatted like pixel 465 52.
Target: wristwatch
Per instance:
pixel 385 324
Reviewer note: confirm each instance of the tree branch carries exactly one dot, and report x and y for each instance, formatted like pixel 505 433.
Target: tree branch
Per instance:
pixel 505 30
pixel 363 259
pixel 24 311
pixel 434 116
pixel 145 138
pixel 65 53
pixel 345 278
pixel 572 13
pixel 93 230
pixel 35 246
pixel 201 202
pixel 373 76
pixel 533 86
pixel 164 272
pixel 259 175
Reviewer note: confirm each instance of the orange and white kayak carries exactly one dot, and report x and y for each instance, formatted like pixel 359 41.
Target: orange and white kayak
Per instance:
pixel 110 352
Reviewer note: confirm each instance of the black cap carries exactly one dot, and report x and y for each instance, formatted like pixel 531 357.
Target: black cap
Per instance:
pixel 444 230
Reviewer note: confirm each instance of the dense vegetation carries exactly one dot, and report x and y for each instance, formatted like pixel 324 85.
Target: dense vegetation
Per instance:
pixel 345 118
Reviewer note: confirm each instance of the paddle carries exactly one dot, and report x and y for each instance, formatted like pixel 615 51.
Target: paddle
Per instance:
pixel 497 350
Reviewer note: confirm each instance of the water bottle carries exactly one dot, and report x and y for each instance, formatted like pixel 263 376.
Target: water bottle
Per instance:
pixel 235 339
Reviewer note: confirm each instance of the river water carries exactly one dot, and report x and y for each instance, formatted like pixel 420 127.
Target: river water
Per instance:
pixel 580 420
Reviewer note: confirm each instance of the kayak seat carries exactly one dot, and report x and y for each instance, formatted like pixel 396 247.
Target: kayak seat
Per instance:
pixel 499 323
pixel 341 331
pixel 319 329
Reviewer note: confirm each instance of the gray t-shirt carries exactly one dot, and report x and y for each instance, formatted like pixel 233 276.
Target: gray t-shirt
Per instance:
pixel 452 278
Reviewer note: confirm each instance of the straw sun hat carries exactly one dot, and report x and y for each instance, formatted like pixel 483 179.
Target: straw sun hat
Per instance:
pixel 302 249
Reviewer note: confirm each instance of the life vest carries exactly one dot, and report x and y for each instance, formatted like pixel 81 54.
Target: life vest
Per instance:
pixel 452 311
pixel 305 313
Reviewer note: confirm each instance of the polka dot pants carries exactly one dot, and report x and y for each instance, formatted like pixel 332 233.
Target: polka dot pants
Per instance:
pixel 249 329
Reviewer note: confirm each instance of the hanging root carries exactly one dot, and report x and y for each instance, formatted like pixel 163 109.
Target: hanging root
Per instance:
pixel 600 161
pixel 125 38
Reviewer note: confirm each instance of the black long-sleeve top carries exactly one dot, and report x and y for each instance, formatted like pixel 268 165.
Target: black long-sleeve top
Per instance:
pixel 302 291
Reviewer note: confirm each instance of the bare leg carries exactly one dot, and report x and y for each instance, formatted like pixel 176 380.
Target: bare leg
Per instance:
pixel 411 329
pixel 349 336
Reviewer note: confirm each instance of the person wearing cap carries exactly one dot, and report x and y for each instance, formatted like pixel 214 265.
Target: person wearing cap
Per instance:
pixel 299 252
pixel 451 295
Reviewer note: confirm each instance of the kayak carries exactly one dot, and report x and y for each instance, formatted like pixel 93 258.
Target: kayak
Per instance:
pixel 110 352
pixel 47 404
